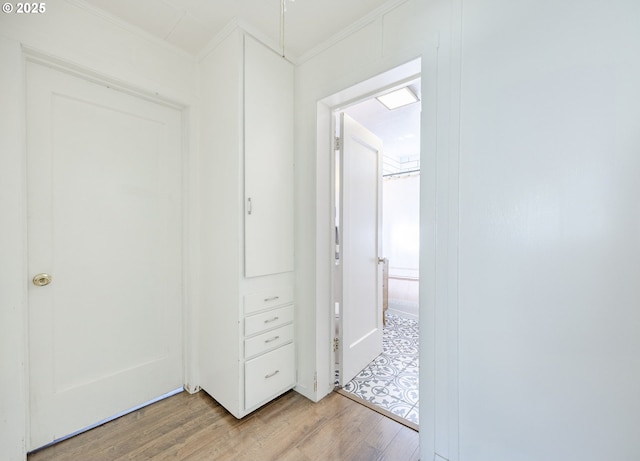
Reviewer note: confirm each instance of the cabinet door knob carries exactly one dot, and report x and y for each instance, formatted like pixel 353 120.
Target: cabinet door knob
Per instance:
pixel 249 206
pixel 271 375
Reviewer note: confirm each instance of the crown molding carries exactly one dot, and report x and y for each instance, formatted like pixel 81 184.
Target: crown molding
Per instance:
pixel 237 23
pixel 218 38
pixel 371 17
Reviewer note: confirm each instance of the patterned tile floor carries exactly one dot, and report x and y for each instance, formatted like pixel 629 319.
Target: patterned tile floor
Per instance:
pixel 391 380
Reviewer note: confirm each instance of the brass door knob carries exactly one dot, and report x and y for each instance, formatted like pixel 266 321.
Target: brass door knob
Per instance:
pixel 41 280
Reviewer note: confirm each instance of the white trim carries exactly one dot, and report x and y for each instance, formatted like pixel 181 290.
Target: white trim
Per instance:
pixel 453 353
pixel 13 264
pixel 354 27
pixel 267 41
pixel 218 39
pixel 237 23
pixel 324 134
pixel 372 16
pixel 64 65
pixel 190 250
pixel 375 85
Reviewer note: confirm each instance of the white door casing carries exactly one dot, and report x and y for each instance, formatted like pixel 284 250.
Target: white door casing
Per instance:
pixel 361 244
pixel 105 221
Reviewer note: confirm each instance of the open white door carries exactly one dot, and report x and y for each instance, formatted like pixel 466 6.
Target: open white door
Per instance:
pixel 361 245
pixel 105 247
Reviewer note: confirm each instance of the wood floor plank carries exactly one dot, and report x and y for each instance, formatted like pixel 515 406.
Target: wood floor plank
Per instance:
pixel 207 430
pixel 291 428
pixel 403 446
pixel 286 428
pixel 165 445
pixel 348 426
pixel 357 446
pixel 383 433
pixel 101 437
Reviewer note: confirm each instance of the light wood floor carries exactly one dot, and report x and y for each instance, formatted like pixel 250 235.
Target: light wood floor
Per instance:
pixel 291 428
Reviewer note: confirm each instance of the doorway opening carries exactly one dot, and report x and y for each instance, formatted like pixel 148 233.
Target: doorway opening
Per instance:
pixel 388 382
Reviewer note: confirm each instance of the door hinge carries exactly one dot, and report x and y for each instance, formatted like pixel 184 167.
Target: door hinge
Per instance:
pixel 315 382
pixel 336 344
pixel 337 145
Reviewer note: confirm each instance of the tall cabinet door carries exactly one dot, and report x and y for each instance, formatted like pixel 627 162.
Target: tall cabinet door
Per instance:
pixel 268 153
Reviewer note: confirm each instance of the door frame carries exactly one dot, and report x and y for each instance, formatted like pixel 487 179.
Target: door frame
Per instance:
pixel 438 312
pixel 329 107
pixel 189 203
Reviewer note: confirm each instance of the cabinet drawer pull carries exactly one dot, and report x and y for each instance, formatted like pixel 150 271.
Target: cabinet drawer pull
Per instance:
pixel 272 339
pixel 272 320
pixel 271 375
pixel 273 298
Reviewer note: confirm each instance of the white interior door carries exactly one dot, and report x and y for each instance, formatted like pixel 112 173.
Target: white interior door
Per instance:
pixel 361 244
pixel 104 198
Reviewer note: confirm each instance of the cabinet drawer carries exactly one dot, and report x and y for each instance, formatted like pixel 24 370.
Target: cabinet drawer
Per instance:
pixel 267 320
pixel 267 341
pixel 268 375
pixel 278 295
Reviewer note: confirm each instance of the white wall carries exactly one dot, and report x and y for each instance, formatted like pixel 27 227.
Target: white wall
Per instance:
pixel 100 46
pixel 401 241
pixel 550 231
pixel 533 202
pixel 401 223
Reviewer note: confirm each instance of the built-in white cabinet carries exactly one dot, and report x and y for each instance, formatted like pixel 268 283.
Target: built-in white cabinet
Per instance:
pixel 268 153
pixel 246 321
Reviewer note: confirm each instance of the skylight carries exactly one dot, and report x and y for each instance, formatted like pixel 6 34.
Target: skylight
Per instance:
pixel 398 98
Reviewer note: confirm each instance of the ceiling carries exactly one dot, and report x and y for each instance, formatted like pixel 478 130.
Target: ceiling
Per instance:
pixel 192 24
